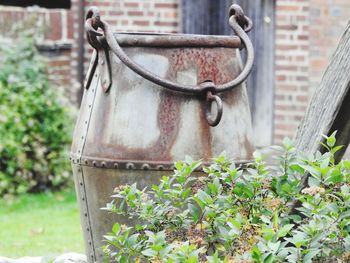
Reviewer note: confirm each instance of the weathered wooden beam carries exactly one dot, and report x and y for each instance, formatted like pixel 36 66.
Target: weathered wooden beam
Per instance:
pixel 329 108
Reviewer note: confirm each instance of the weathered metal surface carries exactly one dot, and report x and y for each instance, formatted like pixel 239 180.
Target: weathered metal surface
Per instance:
pixel 136 117
pixel 239 23
pixel 131 125
pixel 175 40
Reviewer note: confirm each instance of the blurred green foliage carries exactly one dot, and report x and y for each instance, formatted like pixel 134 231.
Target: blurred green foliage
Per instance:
pixel 35 122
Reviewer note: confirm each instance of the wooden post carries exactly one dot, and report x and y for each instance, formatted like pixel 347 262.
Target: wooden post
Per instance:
pixel 329 108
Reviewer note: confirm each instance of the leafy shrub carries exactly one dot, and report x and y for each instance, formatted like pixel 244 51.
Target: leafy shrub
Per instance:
pixel 238 215
pixel 35 123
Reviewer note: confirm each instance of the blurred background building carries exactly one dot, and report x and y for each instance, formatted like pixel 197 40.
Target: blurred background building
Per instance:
pixel 294 40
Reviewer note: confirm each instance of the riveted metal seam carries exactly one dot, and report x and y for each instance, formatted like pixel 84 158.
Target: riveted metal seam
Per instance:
pixel 139 165
pixel 80 152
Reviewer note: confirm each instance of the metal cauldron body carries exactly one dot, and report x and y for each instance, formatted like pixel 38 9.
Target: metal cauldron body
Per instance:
pixel 132 130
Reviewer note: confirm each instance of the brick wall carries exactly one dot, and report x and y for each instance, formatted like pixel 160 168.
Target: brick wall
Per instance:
pixel 307 33
pixel 328 20
pixel 146 15
pixel 137 16
pixel 55 40
pixel 292 66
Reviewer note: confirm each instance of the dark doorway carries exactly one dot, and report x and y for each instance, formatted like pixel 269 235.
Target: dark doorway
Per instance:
pixel 211 17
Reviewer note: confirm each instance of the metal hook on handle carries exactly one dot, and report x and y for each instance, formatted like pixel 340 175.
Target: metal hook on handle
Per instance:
pixel 243 21
pixel 92 23
pixel 213 121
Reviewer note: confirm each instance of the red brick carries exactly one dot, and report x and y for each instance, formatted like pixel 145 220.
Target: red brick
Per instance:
pixel 287 67
pixel 302 98
pixel 70 29
pixel 165 23
pixel 135 13
pixel 166 5
pixel 141 22
pixel 302 78
pixel 55 26
pixel 287 27
pixel 289 88
pixel 115 13
pixel 286 47
pixel 289 8
pixel 281 77
pixel 303 37
pixel 131 4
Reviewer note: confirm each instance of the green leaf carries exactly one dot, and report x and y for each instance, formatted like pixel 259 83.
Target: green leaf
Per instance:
pixel 312 170
pixel 195 212
pixel 310 255
pixel 256 254
pixel 336 149
pixel 288 143
pixel 115 228
pixel 312 181
pixel 269 258
pixel 274 246
pixel 346 164
pixel 331 139
pixel 149 253
pixel 284 230
pixel 344 190
pixel 204 197
pixel 345 215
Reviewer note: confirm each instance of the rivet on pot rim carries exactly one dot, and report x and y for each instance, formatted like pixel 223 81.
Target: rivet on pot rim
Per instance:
pixel 130 166
pixel 145 166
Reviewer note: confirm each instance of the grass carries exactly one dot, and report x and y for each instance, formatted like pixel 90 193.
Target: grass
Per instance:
pixel 45 224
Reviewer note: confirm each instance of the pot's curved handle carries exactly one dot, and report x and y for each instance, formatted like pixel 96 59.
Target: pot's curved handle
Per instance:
pixel 238 22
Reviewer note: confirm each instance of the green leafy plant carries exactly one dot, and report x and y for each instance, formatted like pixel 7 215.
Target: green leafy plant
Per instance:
pixel 35 123
pixel 235 214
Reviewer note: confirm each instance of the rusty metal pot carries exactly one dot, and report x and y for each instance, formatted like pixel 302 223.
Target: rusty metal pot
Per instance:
pixel 147 103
